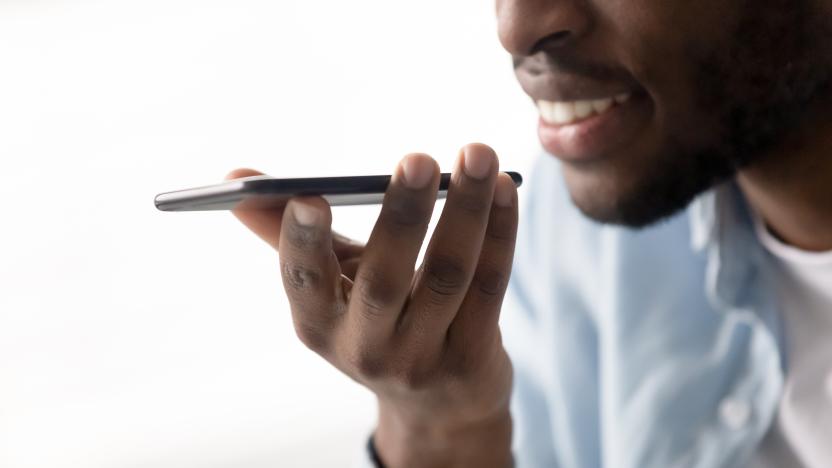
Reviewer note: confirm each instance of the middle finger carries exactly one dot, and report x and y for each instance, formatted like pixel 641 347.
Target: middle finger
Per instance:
pixel 453 252
pixel 385 271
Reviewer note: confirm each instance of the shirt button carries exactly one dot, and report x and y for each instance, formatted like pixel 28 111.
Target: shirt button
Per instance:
pixel 734 413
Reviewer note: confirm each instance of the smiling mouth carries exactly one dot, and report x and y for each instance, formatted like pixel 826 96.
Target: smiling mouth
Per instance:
pixel 593 129
pixel 571 112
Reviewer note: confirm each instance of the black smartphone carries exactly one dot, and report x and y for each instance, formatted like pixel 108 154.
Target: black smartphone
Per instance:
pixel 259 192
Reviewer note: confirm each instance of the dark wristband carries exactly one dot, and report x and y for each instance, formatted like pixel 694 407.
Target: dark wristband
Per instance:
pixel 371 449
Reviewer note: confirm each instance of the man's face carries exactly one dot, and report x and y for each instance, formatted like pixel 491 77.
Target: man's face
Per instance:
pixel 704 88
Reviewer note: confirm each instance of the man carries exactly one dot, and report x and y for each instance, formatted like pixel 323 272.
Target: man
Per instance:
pixel 671 302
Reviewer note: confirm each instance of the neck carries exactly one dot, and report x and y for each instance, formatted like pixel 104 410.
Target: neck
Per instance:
pixel 792 188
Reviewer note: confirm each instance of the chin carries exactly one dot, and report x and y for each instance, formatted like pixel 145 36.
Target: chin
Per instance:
pixel 604 209
pixel 596 194
pixel 631 198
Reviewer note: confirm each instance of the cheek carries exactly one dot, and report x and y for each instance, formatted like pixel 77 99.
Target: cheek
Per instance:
pixel 662 42
pixel 659 41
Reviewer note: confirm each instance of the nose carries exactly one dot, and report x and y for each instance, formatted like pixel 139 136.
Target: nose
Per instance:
pixel 527 26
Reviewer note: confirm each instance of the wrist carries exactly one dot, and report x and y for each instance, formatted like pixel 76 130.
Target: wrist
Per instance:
pixel 428 442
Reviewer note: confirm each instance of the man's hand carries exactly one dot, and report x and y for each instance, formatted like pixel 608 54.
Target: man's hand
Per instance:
pixel 425 341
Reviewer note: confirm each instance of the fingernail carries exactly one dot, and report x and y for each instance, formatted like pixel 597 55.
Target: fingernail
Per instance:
pixel 504 192
pixel 305 215
pixel 478 163
pixel 417 171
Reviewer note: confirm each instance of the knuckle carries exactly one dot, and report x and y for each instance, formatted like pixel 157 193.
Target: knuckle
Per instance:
pixel 415 379
pixel 370 308
pixel 370 366
pixel 303 237
pixel 445 275
pixel 490 282
pixel 316 338
pixel 472 203
pixel 404 212
pixel 300 277
pixel 500 230
pixel 376 293
pixel 460 367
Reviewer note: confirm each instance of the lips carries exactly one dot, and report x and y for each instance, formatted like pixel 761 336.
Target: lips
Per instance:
pixel 572 82
pixel 596 136
pixel 585 117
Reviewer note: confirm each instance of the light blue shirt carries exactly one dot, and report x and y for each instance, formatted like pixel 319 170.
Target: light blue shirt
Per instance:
pixel 656 348
pixel 652 348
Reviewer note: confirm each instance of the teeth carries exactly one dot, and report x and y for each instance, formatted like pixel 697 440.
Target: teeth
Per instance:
pixel 583 109
pixel 602 105
pixel 561 113
pixel 622 98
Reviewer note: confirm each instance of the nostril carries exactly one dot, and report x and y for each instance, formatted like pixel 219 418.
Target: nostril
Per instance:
pixel 560 35
pixel 552 40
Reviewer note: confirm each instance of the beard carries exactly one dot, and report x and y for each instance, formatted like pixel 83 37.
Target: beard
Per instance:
pixel 758 87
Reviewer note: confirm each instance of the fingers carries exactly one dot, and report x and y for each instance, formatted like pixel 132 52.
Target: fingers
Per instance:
pixel 454 250
pixel 265 223
pixel 346 249
pixel 310 270
pixel 242 172
pixel 385 273
pixel 476 324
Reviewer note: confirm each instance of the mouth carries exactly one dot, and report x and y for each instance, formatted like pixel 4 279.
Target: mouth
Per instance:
pixel 588 111
pixel 591 129
pixel 566 113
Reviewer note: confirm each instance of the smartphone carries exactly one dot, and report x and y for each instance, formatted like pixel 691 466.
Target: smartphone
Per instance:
pixel 260 192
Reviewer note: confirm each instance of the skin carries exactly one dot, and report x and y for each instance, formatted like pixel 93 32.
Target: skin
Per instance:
pixel 736 90
pixel 727 85
pixel 426 342
pixel 792 194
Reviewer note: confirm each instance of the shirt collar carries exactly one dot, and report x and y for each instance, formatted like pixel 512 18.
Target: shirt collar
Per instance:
pixel 738 273
pixel 703 220
pixel 722 228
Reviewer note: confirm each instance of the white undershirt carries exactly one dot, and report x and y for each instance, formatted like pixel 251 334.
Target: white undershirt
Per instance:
pixel 801 436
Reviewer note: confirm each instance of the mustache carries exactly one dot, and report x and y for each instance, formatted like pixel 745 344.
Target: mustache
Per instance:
pixel 546 63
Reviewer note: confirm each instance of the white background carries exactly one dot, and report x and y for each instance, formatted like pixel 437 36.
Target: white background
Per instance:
pixel 134 338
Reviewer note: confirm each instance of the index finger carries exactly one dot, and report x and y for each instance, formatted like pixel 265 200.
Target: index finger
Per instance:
pixel 266 223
